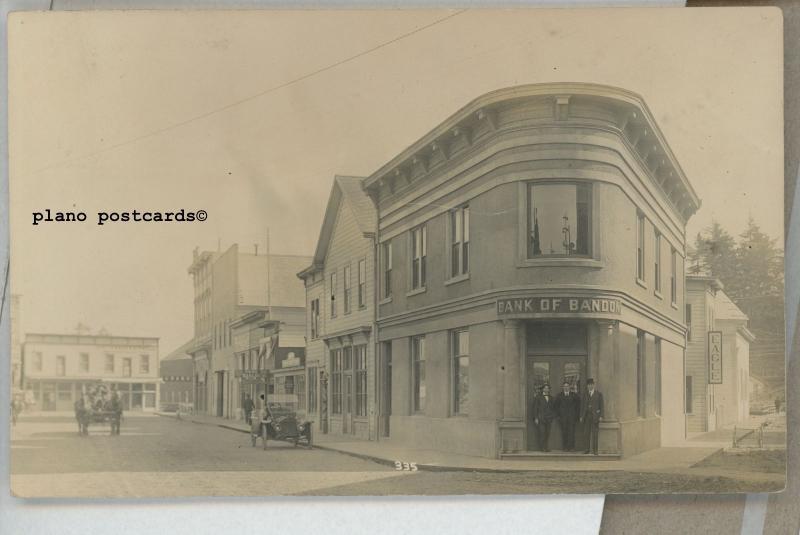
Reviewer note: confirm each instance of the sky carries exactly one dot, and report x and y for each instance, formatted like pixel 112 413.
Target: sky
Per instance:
pixel 249 115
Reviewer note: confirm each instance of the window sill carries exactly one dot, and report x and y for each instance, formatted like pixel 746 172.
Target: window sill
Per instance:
pixel 417 291
pixel 561 262
pixel 658 294
pixel 385 301
pixel 641 283
pixel 674 305
pixel 362 307
pixel 456 279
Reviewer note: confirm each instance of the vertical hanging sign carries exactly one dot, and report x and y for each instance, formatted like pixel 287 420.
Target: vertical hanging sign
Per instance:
pixel 715 357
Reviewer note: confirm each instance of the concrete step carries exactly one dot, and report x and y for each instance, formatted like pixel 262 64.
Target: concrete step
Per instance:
pixel 559 455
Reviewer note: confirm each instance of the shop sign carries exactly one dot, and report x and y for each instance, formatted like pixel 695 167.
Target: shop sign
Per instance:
pixel 558 305
pixel 291 361
pixel 715 357
pixel 251 375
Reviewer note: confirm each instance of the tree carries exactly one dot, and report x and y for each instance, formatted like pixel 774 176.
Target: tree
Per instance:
pixel 714 253
pixel 758 287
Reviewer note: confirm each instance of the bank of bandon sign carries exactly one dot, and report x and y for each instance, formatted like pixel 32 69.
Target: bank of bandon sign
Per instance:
pixel 558 305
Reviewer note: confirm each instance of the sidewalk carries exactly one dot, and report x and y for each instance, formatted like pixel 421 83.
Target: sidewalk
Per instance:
pixel 671 459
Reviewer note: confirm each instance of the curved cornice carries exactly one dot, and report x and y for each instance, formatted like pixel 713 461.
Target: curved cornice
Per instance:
pixel 628 112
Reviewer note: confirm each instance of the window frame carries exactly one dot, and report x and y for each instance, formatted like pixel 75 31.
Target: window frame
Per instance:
pixel 657 261
pixel 458 241
pixel 84 364
pixel 641 374
pixel 348 288
pixel 456 355
pixel 109 358
pixel 640 246
pixel 419 235
pixel 418 383
pixel 332 290
pixel 530 221
pixel 314 323
pixel 362 284
pixel 144 364
pixel 360 379
pixel 673 281
pixel 61 366
pixel 386 261
pixel 336 380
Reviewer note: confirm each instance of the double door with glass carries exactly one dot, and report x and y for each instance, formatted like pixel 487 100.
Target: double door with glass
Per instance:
pixel 553 370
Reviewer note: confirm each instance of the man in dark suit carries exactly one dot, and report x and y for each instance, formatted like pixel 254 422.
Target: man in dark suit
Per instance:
pixel 592 413
pixel 543 415
pixel 566 408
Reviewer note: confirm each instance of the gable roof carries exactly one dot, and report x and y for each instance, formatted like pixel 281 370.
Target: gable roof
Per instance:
pixel 346 193
pixel 727 309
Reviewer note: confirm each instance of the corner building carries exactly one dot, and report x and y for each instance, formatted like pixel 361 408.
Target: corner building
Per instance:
pixel 536 236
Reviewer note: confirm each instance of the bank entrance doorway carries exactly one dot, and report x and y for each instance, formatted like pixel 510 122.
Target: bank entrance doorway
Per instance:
pixel 555 353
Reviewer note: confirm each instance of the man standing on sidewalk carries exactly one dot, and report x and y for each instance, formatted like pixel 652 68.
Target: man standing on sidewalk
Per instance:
pixel 248 407
pixel 592 413
pixel 543 415
pixel 567 410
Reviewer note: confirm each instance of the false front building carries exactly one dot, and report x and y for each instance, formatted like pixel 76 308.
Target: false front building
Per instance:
pixel 536 236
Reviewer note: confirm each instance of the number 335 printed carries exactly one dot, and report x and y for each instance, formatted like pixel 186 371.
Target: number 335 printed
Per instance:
pixel 408 467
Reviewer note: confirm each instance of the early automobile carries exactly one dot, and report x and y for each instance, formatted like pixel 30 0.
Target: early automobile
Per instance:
pixel 281 420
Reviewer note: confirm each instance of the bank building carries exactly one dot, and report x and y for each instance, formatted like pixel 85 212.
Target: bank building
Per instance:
pixel 535 236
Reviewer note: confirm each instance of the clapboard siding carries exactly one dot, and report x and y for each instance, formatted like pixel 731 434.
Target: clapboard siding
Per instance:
pixel 696 365
pixel 348 246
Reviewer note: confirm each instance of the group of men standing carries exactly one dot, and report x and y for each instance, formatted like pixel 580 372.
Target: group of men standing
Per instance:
pixel 570 408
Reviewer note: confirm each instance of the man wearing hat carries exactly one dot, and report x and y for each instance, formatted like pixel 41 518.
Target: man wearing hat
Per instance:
pixel 592 413
pixel 543 415
pixel 566 407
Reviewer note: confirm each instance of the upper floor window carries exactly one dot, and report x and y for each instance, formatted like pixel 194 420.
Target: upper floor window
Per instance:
pixel 559 219
pixel 347 290
pixel 362 283
pixel 144 363
pixel 387 269
pixel 419 250
pixel 37 361
pixel 333 294
pixel 673 276
pixel 61 366
pixel 640 246
pixel 459 241
pixel 84 362
pixel 657 261
pixel 314 318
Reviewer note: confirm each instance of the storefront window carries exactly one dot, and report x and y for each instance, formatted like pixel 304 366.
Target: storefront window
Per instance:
pixel 336 381
pixel 559 219
pixel 460 344
pixel 312 390
pixel 361 379
pixel 418 359
pixel 641 375
pixel 541 375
